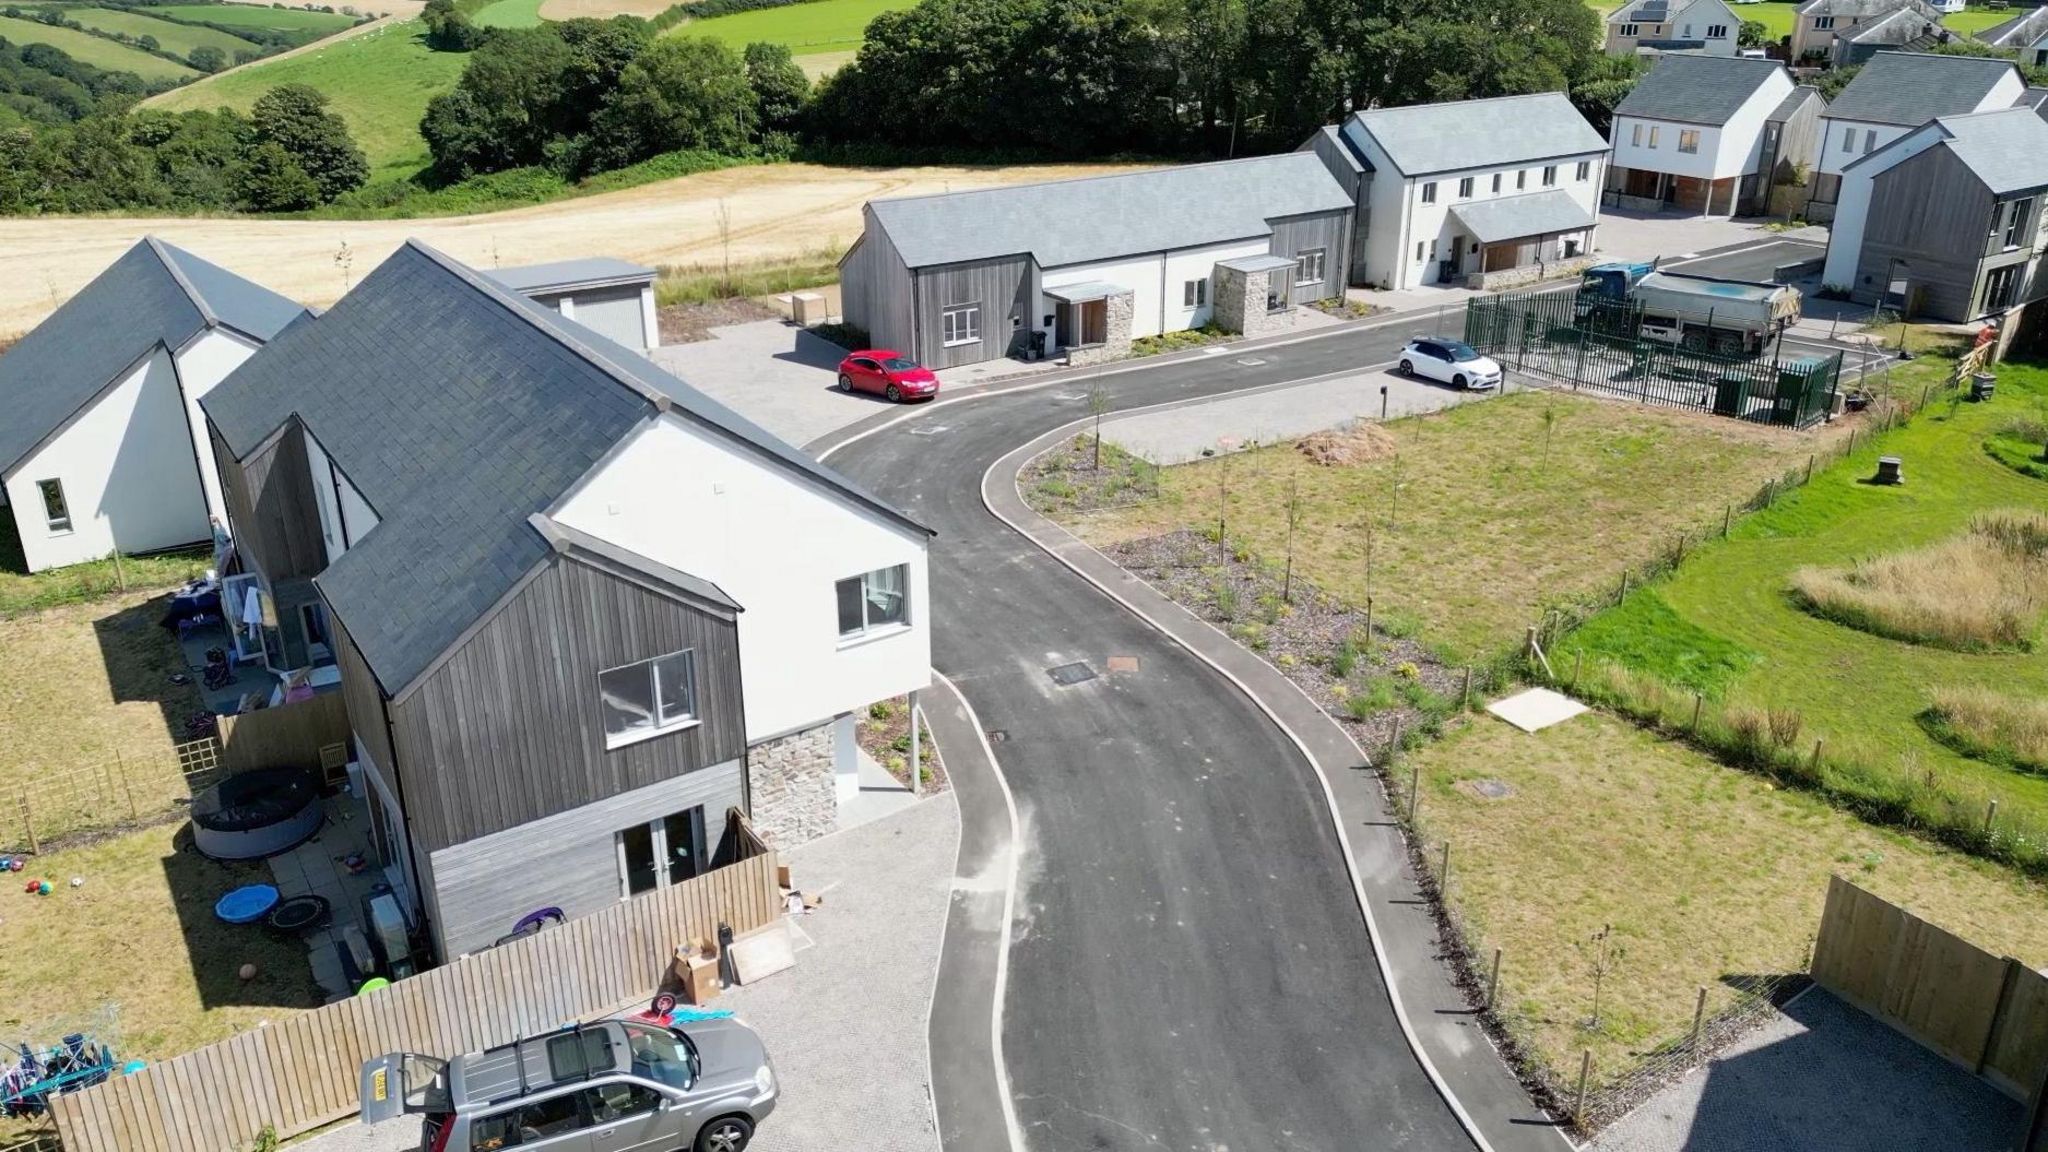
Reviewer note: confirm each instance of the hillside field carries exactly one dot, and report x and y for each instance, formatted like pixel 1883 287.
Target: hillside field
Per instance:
pixel 88 49
pixel 509 14
pixel 259 16
pixel 808 29
pixel 170 35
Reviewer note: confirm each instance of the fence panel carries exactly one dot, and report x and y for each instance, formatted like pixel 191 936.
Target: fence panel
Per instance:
pixel 289 735
pixel 301 1072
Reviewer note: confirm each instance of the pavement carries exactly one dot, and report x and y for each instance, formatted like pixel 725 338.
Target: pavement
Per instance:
pixel 315 868
pixel 1820 1077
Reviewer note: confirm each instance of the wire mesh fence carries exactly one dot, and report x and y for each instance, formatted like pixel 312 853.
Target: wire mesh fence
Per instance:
pixel 125 790
pixel 1598 345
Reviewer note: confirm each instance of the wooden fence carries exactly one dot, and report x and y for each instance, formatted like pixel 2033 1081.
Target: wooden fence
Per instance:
pixel 287 735
pixel 1987 1013
pixel 301 1072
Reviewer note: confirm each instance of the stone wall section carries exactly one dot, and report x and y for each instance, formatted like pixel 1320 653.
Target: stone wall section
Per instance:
pixel 790 779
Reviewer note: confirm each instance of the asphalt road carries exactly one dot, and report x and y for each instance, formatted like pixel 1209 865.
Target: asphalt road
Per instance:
pixel 1189 968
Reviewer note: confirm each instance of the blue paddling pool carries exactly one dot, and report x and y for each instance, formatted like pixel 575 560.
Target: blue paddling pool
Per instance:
pixel 247 904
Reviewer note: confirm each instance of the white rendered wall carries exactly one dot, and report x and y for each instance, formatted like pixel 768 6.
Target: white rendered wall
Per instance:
pixel 345 517
pixel 1666 157
pixel 130 478
pixel 1200 264
pixel 1141 274
pixel 202 364
pixel 776 542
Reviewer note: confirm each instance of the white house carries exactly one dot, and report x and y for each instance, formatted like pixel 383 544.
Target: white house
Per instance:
pixel 1819 24
pixel 2026 34
pixel 1706 27
pixel 1502 191
pixel 1707 134
pixel 610 297
pixel 1895 93
pixel 102 447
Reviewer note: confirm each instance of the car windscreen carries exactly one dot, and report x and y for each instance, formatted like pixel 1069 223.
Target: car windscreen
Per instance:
pixel 1460 351
pixel 899 364
pixel 662 1056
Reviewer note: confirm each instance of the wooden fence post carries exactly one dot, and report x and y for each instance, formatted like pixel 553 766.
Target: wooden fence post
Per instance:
pixel 1699 701
pixel 1443 872
pixel 1579 1099
pixel 28 820
pixel 1727 519
pixel 1578 663
pixel 1466 704
pixel 1809 467
pixel 1814 766
pixel 1699 1016
pixel 1368 623
pixel 134 815
pixel 1414 789
pixel 1624 587
pixel 1990 817
pixel 1493 979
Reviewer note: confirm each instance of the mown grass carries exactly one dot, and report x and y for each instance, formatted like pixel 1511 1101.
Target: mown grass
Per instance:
pixel 1705 874
pixel 22 591
pixel 815 27
pixel 1977 591
pixel 258 16
pixel 89 49
pixel 509 14
pixel 171 36
pixel 1474 524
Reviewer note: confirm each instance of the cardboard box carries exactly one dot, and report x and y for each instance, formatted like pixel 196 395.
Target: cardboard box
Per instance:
pixel 697 972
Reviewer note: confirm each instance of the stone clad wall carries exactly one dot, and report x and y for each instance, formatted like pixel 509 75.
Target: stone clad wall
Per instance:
pixel 1241 303
pixel 1118 342
pixel 790 778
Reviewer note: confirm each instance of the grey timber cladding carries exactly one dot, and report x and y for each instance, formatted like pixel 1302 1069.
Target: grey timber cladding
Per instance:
pixel 270 504
pixel 567 861
pixel 875 289
pixel 367 717
pixel 507 729
pixel 1328 231
pixel 999 286
pixel 1932 213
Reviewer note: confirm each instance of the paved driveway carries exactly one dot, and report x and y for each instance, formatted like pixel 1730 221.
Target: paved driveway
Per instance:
pixel 1646 235
pixel 775 374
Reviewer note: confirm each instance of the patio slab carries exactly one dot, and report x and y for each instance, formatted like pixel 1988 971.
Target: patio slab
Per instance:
pixel 314 868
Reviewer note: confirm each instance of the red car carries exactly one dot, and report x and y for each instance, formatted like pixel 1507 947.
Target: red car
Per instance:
pixel 891 373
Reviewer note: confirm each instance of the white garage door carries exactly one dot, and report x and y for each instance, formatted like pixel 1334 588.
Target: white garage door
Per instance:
pixel 613 313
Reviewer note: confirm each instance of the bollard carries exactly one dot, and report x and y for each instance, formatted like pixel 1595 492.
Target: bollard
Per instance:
pixel 1493 979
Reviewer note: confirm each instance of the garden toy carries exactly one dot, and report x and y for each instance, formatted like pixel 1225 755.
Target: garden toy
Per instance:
pixel 247 904
pixel 30 1076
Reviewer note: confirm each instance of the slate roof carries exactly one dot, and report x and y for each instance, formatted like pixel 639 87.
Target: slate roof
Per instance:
pixel 2035 98
pixel 567 274
pixel 1911 88
pixel 1905 26
pixel 1793 101
pixel 1850 7
pixel 154 294
pixel 459 409
pixel 1065 222
pixel 1697 89
pixel 1513 217
pixel 1423 139
pixel 2022 31
pixel 1646 12
pixel 1346 150
pixel 2006 149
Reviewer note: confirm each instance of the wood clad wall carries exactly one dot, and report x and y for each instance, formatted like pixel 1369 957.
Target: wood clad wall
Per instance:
pixel 1933 213
pixel 302 1072
pixel 508 729
pixel 875 289
pixel 364 699
pixel 1330 231
pixel 287 736
pixel 1001 286
pixel 270 506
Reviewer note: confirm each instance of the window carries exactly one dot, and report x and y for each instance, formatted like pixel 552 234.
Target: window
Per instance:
pixel 1630 29
pixel 1823 23
pixel 1653 135
pixel 665 851
pixel 1418 251
pixel 961 325
pixel 658 1055
pixel 1432 249
pixel 1549 175
pixel 1717 31
pixel 527 1124
pixel 1309 266
pixel 1429 192
pixel 2016 221
pixel 1521 179
pixel 1635 136
pixel 1848 139
pixel 1584 170
pixel 648 698
pixel 1465 188
pixel 1688 140
pixel 620 1100
pixel 1496 183
pixel 56 513
pixel 874 601
pixel 1194 293
pixel 1687 34
pixel 1869 140
pixel 1999 287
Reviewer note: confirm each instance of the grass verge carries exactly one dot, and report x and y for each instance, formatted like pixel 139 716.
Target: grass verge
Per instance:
pixel 809 28
pixel 1988 725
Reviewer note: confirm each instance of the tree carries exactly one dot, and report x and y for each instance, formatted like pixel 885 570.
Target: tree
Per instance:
pixel 147 43
pixel 780 87
pixel 504 110
pixel 1831 82
pixel 449 28
pixel 681 92
pixel 1753 34
pixel 1606 84
pixel 199 156
pixel 207 58
pixel 273 181
pixel 295 118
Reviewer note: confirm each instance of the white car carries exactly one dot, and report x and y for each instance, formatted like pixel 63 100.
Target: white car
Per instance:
pixel 1449 362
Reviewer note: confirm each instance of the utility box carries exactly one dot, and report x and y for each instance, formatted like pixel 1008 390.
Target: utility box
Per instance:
pixel 807 309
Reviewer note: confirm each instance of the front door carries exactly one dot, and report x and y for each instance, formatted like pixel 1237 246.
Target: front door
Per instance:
pixel 1457 260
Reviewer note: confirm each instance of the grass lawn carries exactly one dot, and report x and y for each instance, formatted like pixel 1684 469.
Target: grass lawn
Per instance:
pixel 259 16
pixel 379 82
pixel 509 14
pixel 88 49
pixel 1706 874
pixel 1864 694
pixel 1971 21
pixel 1490 526
pixel 21 592
pixel 819 26
pixel 172 37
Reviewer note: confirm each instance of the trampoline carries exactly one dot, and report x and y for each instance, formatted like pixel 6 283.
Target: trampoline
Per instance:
pixel 256 814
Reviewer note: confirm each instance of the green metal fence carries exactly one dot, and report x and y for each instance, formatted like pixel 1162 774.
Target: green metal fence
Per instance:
pixel 1598 345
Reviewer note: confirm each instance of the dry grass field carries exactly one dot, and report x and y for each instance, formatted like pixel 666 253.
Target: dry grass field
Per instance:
pixel 1977 591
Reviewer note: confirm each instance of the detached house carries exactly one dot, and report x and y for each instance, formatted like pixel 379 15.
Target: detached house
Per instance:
pixel 2026 34
pixel 1950 215
pixel 578 609
pixel 1711 135
pixel 1485 193
pixel 1904 30
pixel 1082 267
pixel 1895 93
pixel 1708 27
pixel 102 446
pixel 1820 22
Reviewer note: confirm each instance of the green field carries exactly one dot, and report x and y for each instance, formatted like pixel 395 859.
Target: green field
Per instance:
pixel 89 49
pixel 253 16
pixel 379 82
pixel 178 38
pixel 820 26
pixel 509 14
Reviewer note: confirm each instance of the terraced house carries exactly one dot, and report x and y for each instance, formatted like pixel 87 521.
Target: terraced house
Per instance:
pixel 1820 23
pixel 578 610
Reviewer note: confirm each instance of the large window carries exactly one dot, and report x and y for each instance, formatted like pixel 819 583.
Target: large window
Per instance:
pixel 1629 29
pixel 1688 140
pixel 665 851
pixel 1309 266
pixel 1717 31
pixel 874 602
pixel 2016 222
pixel 1999 287
pixel 648 698
pixel 1823 23
pixel 1429 192
pixel 56 512
pixel 1194 293
pixel 961 325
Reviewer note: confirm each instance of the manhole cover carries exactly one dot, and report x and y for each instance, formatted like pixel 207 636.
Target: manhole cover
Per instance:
pixel 1490 789
pixel 1251 361
pixel 1067 675
pixel 932 430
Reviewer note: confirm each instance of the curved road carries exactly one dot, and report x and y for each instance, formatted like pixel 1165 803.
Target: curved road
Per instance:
pixel 1189 966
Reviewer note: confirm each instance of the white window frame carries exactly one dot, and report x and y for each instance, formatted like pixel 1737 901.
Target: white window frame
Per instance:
pixel 658 845
pixel 59 524
pixel 1823 23
pixel 1319 258
pixel 1689 141
pixel 1550 175
pixel 1635 135
pixel 960 325
pixel 2016 223
pixel 1584 171
pixel 690 719
pixel 1629 30
pixel 1717 31
pixel 1465 188
pixel 1194 293
pixel 869 630
pixel 1429 192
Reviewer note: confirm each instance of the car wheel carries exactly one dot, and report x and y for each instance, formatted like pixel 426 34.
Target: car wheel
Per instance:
pixel 845 382
pixel 1407 368
pixel 1459 383
pixel 894 393
pixel 725 1134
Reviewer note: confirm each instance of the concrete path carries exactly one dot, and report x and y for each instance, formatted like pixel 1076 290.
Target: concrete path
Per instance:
pixel 1822 1077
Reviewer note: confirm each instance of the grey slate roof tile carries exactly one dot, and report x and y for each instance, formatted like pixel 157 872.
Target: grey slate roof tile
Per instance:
pixel 1911 88
pixel 1427 138
pixel 567 274
pixel 2007 149
pixel 1697 89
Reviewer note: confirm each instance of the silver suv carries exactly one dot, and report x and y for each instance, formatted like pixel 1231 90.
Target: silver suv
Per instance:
pixel 612 1086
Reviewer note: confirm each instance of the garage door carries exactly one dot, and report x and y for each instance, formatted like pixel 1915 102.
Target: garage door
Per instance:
pixel 613 313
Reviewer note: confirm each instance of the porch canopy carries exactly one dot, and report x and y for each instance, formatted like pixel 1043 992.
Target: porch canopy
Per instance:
pixel 1086 293
pixel 1543 213
pixel 1268 263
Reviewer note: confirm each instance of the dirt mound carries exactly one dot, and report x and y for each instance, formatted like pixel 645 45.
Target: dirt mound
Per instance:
pixel 1359 442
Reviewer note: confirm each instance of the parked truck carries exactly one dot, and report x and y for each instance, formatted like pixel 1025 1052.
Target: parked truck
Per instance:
pixel 1697 313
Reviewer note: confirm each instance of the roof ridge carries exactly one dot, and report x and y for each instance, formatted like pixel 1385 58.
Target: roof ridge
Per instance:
pixel 163 251
pixel 1392 108
pixel 1228 160
pixel 517 305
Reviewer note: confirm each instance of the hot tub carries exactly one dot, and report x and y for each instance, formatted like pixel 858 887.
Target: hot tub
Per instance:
pixel 256 814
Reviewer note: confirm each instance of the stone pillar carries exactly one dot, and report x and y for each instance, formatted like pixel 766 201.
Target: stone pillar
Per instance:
pixel 1116 343
pixel 790 780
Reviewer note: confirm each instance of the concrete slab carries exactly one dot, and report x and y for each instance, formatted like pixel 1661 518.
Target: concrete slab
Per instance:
pixel 1179 434
pixel 1646 235
pixel 1536 709
pixel 773 373
pixel 881 795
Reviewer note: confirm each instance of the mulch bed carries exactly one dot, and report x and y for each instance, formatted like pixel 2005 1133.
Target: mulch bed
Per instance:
pixel 1064 480
pixel 886 737
pixel 688 323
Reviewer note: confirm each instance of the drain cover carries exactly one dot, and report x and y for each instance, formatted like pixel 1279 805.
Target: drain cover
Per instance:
pixel 1067 675
pixel 998 735
pixel 1490 789
pixel 1251 361
pixel 932 430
